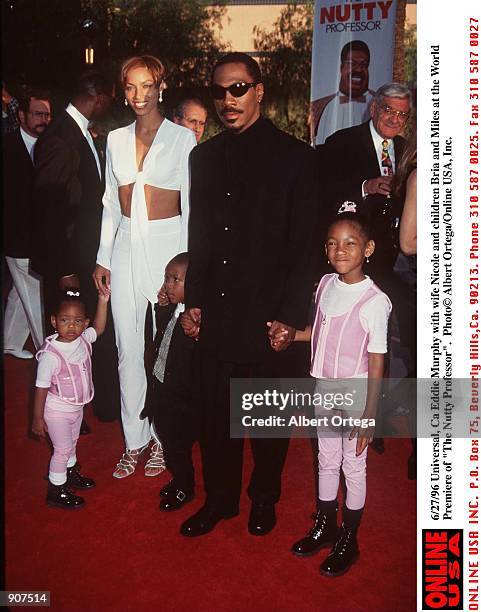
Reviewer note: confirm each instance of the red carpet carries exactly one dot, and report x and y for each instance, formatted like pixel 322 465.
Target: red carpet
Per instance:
pixel 121 553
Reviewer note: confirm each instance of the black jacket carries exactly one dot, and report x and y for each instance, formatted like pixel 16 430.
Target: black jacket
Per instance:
pixel 67 201
pixel 18 176
pixel 348 158
pixel 253 238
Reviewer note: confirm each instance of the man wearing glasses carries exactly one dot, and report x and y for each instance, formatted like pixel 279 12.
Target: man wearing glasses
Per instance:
pixel 23 313
pixel 358 165
pixel 192 114
pixel 252 235
pixel 350 105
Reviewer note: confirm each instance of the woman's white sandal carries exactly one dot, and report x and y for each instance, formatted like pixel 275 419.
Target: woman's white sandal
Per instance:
pixel 128 462
pixel 156 463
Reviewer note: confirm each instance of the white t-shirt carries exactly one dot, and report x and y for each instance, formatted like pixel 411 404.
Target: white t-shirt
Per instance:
pixel 339 297
pixel 74 352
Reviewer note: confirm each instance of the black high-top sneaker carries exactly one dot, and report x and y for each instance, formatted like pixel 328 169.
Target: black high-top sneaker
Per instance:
pixel 62 497
pixel 75 478
pixel 322 534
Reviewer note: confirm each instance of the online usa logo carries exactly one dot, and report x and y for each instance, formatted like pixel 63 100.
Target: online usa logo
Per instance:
pixel 442 575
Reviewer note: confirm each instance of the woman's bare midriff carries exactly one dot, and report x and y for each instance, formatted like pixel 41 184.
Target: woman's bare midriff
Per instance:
pixel 161 203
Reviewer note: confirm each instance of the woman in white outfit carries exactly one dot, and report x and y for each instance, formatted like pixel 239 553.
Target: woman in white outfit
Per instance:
pixel 144 225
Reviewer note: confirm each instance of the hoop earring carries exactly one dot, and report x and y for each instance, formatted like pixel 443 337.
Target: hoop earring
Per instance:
pixel 125 102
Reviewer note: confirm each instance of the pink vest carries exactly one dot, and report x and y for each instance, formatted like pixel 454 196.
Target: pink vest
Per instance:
pixel 339 342
pixel 72 382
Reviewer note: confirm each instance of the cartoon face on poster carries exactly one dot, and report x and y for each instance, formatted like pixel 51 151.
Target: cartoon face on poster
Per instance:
pixel 352 56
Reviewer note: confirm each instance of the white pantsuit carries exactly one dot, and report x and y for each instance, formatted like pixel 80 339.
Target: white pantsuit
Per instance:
pixel 136 251
pixel 23 313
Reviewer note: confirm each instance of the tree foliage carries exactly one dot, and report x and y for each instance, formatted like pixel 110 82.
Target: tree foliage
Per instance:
pixel 286 67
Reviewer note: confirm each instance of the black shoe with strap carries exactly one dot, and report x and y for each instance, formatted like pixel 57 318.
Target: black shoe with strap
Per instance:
pixel 175 499
pixel 344 553
pixel 322 534
pixel 75 478
pixel 61 496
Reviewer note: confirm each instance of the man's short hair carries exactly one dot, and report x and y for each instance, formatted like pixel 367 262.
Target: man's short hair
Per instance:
pixel 393 90
pixel 355 45
pixel 150 62
pixel 179 109
pixel 30 93
pixel 90 84
pixel 236 57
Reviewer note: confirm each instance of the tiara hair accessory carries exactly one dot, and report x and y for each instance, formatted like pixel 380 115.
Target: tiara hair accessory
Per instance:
pixel 73 293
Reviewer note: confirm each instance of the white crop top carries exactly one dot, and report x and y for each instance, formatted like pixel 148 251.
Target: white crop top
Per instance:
pixel 165 166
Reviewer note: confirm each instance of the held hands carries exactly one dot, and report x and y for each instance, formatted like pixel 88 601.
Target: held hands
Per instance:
pixel 280 335
pixel 190 322
pixel 39 427
pixel 379 184
pixel 101 277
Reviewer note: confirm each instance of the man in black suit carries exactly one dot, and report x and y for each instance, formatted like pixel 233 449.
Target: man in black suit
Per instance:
pixel 68 190
pixel 358 165
pixel 252 237
pixel 23 313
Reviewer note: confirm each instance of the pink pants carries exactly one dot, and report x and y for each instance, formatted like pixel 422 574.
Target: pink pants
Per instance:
pixel 63 429
pixel 337 452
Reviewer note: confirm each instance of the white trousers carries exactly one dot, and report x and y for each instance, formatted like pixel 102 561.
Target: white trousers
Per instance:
pixel 23 313
pixel 129 319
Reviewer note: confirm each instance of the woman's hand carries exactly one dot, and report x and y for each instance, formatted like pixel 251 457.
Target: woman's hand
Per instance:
pixel 101 278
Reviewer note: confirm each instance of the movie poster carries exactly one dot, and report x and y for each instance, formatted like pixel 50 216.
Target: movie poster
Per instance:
pixel 352 55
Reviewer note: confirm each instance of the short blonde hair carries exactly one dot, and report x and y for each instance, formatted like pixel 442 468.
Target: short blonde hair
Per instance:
pixel 151 63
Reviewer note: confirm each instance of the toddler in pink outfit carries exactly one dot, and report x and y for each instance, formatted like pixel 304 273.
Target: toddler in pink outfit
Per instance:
pixel 64 385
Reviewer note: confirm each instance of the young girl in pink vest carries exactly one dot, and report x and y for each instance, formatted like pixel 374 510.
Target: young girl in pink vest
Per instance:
pixel 64 385
pixel 348 340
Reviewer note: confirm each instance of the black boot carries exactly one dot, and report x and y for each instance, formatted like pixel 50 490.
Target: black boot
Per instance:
pixel 322 534
pixel 62 497
pixel 346 550
pixel 75 478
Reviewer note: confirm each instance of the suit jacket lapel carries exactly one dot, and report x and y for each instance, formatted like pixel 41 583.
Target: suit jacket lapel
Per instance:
pixel 24 157
pixel 367 148
pixel 83 148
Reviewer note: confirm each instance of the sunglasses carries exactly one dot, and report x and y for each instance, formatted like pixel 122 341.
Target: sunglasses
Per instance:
pixel 236 89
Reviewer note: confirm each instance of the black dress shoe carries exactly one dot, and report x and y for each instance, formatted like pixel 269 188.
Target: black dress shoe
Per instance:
pixel 175 499
pixel 262 519
pixel 343 554
pixel 204 521
pixel 322 534
pixel 84 428
pixel 62 497
pixel 166 490
pixel 378 445
pixel 75 478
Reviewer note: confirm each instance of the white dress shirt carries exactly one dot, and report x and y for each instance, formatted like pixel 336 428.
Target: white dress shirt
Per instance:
pixel 29 141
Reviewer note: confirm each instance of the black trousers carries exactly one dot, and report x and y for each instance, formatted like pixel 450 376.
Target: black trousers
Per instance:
pixel 176 422
pixel 222 455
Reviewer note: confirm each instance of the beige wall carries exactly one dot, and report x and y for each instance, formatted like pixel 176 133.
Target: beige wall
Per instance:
pixel 239 21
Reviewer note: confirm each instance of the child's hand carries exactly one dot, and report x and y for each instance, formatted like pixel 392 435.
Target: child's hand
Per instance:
pixel 364 435
pixel 104 297
pixel 39 427
pixel 278 337
pixel 190 322
pixel 162 298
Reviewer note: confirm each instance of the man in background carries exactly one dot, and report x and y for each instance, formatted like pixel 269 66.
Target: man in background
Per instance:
pixel 192 114
pixel 23 313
